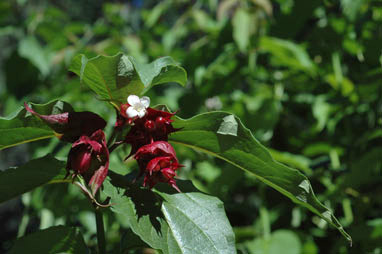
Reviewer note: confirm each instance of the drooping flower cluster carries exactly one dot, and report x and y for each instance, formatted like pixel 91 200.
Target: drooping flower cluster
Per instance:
pixel 148 138
pixel 158 162
pixel 89 155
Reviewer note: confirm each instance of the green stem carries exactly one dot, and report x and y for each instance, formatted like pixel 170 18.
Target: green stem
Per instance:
pixel 100 229
pixel 112 137
pixel 112 147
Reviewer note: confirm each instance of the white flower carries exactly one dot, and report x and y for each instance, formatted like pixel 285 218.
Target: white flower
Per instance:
pixel 138 106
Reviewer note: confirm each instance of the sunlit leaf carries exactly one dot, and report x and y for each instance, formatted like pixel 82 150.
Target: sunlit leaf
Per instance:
pixel 113 78
pixel 246 153
pixel 39 56
pixel 351 7
pixel 187 222
pixel 242 28
pixel 287 53
pixel 280 241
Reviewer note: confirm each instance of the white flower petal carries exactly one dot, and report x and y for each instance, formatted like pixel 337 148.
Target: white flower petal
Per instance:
pixel 133 99
pixel 145 101
pixel 141 113
pixel 131 112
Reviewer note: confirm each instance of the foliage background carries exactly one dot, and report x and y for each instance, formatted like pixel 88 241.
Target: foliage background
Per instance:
pixel 304 76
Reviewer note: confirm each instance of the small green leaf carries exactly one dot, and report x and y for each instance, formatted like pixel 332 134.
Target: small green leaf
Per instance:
pixel 188 222
pixel 351 8
pixel 245 152
pixel 54 240
pixel 156 12
pixel 293 160
pixel 38 55
pixel 37 172
pixel 113 78
pixel 22 127
pixel 280 241
pixel 287 53
pixel 243 25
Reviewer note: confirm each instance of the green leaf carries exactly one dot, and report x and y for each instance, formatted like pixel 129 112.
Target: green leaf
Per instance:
pixel 113 78
pixel 188 222
pixel 245 152
pixel 287 53
pixel 40 56
pixel 155 13
pixel 16 181
pixel 22 127
pixel 129 241
pixel 162 70
pixel 58 239
pixel 297 161
pixel 205 22
pixel 243 24
pixel 351 8
pixel 281 241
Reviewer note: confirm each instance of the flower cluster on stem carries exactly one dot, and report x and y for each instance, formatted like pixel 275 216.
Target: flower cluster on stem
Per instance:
pixel 148 133
pixel 148 136
pixel 89 155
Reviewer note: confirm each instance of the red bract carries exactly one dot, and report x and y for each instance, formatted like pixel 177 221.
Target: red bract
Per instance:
pixel 158 162
pixel 71 125
pixel 89 157
pixel 154 126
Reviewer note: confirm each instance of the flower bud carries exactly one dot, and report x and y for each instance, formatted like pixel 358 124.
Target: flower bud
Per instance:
pixel 81 161
pixel 89 157
pixel 150 125
pixel 160 120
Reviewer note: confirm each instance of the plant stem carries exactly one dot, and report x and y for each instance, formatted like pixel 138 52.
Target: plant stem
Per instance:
pixel 100 229
pixel 112 136
pixel 112 147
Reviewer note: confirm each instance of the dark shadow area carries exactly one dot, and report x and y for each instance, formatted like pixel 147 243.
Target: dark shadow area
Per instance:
pixel 226 142
pixel 148 202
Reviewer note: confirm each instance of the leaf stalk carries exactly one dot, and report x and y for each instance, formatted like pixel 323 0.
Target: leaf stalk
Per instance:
pixel 100 228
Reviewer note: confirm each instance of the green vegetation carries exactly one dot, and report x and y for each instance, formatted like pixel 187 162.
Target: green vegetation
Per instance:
pixel 303 76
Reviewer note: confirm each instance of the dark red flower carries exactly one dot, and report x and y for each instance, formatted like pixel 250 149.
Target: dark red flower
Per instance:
pixel 89 157
pixel 71 125
pixel 158 162
pixel 156 125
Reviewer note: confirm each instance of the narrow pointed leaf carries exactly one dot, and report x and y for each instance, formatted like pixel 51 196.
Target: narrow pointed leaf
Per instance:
pixel 37 172
pixel 203 133
pixel 71 125
pixel 243 23
pixel 53 240
pixel 23 127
